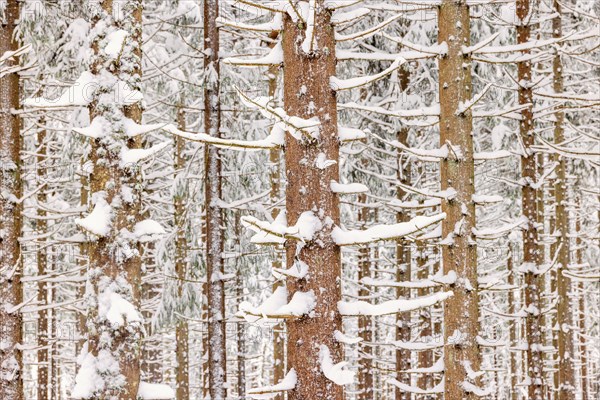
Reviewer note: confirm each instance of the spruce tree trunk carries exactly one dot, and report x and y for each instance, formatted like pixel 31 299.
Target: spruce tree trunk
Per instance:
pixel 365 328
pixel 42 265
pixel 115 261
pixel 529 203
pixel 11 381
pixel 182 377
pixel 275 195
pixel 214 217
pixel 403 274
pixel 461 312
pixel 425 357
pixel 566 370
pixel 307 93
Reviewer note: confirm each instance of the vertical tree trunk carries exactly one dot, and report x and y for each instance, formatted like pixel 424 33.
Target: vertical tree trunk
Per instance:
pixel 42 264
pixel 533 333
pixel 365 329
pixel 275 195
pixel 11 322
pixel 115 261
pixel 182 377
pixel 403 272
pixel 425 357
pixel 566 370
pixel 214 217
pixel 461 312
pixel 514 325
pixel 308 94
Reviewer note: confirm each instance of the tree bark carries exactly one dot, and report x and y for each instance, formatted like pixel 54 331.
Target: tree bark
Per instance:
pixel 461 312
pixel 182 377
pixel 275 195
pixel 403 271
pixel 566 370
pixel 214 217
pixel 529 203
pixel 11 266
pixel 307 94
pixel 365 328
pixel 42 264
pixel 115 261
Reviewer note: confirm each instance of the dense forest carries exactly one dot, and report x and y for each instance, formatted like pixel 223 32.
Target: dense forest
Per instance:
pixel 300 199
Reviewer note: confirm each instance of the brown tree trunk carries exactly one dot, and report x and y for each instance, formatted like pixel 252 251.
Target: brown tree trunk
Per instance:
pixel 11 322
pixel 182 376
pixel 275 178
pixel 307 94
pixel 566 370
pixel 117 267
pixel 42 264
pixel 461 312
pixel 425 357
pixel 403 274
pixel 214 217
pixel 365 328
pixel 529 201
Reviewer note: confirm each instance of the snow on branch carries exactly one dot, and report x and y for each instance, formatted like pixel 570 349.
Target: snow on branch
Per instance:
pixel 274 140
pixel 334 372
pixel 447 194
pixel 276 306
pixel 346 134
pixel 274 57
pixel 268 392
pixel 368 32
pixel 134 156
pixel 436 368
pixel 433 49
pixel 497 232
pixel 155 391
pixel 348 188
pixel 306 227
pixel 418 284
pixel 99 221
pixel 342 338
pixel 342 17
pixel 491 155
pixel 9 55
pixel 352 83
pixel 463 107
pixel 566 152
pixel 274 25
pixel 79 94
pixel 298 127
pixel 357 308
pixel 439 388
pixel 384 232
pixel 433 111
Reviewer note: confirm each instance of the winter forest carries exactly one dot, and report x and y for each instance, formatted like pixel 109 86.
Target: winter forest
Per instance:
pixel 300 199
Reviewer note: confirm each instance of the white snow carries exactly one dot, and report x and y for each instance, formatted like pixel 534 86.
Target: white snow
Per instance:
pixel 340 337
pixel 79 94
pixel 347 84
pixel 384 232
pixel 276 306
pixel 133 156
pixel 334 372
pixel 298 270
pixel 97 128
pixel 275 139
pixel 390 306
pixel 268 392
pixel 117 310
pixel 99 221
pixel 147 230
pixel 305 229
pixel 155 391
pixel 348 188
pixel 115 41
